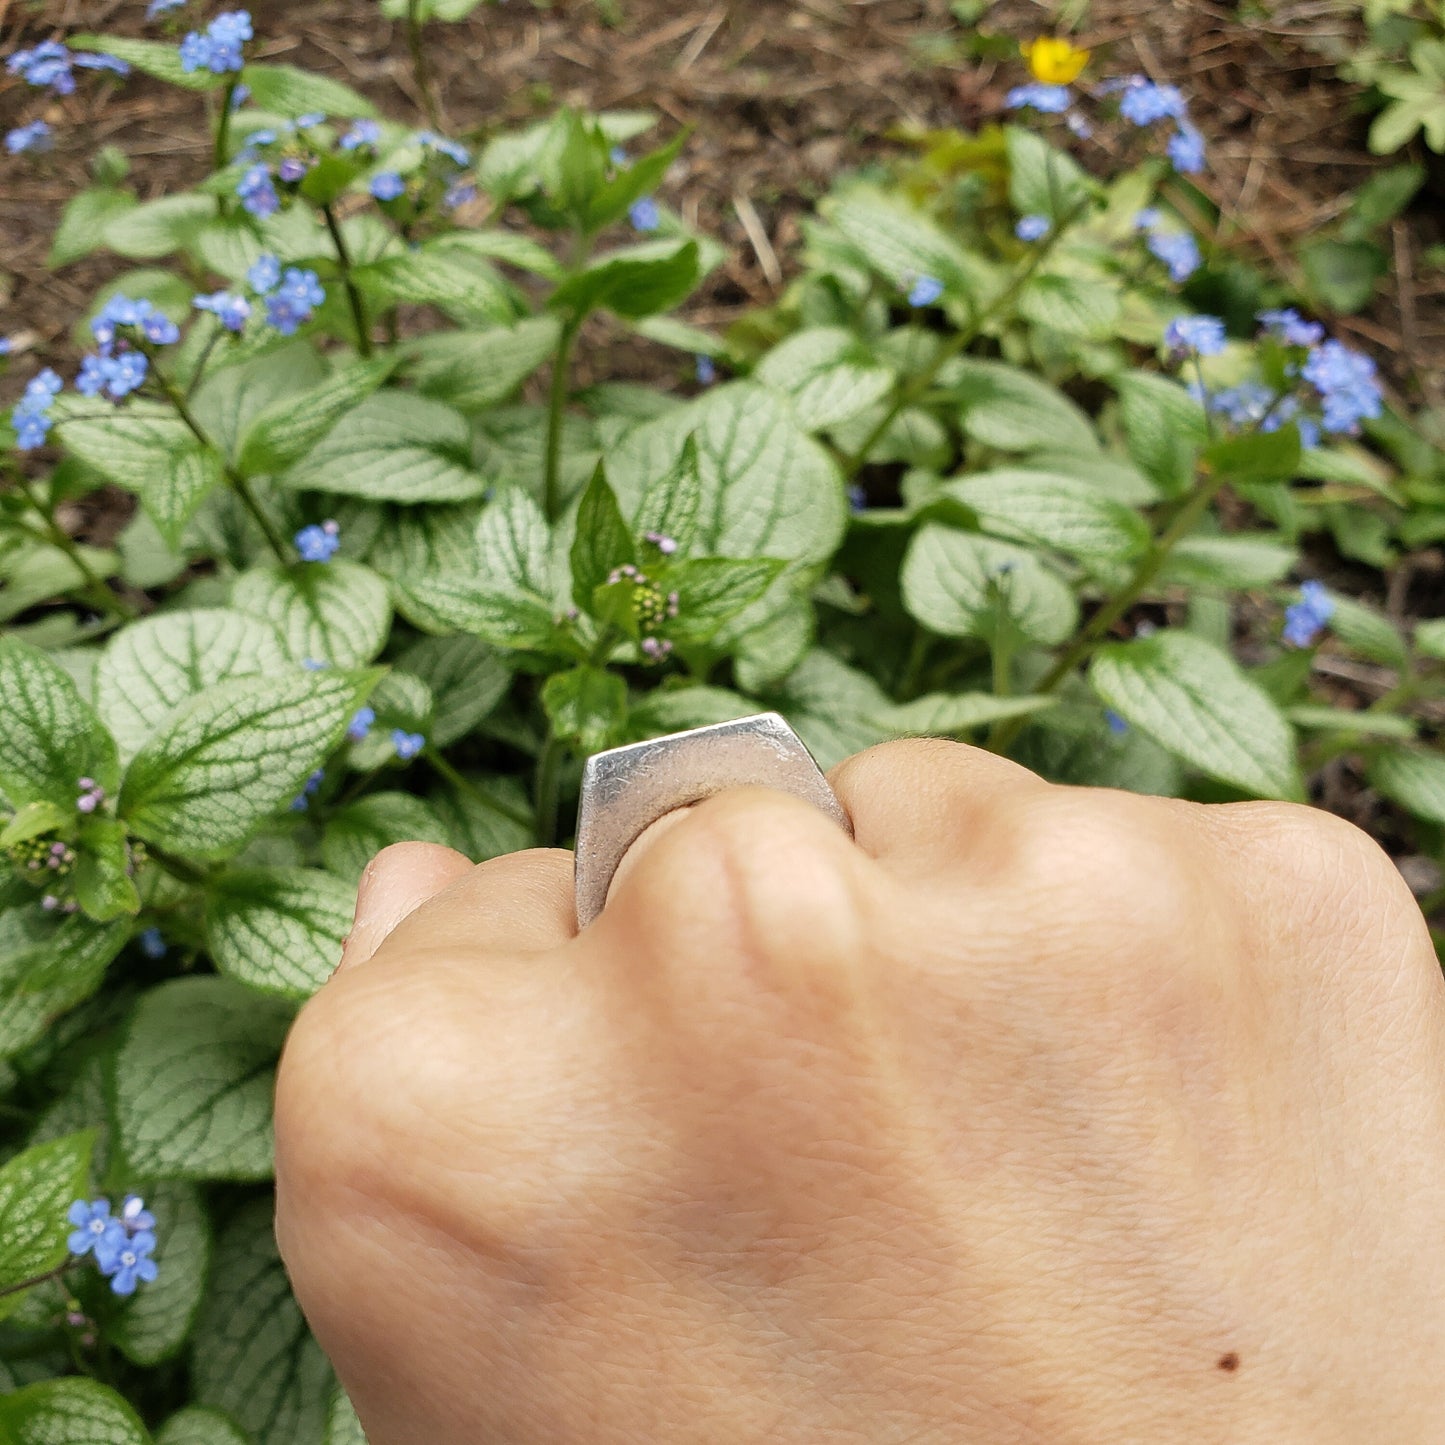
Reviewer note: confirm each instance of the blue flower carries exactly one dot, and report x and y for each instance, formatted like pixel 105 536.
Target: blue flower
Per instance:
pixel 361 133
pixel 644 215
pixel 1185 149
pixel 93 1227
pixel 134 1217
pixel 30 415
pixel 1178 250
pixel 315 664
pixel 310 120
pixel 1306 619
pixel 117 375
pixel 387 186
pixel 219 48
pixel 291 304
pixel 5 345
pixel 264 275
pixel 127 1261
pixel 1117 725
pixel 705 369
pixel 453 150
pixel 231 310
pixel 257 140
pixel 256 193
pixel 301 801
pixel 45 64
pixel 101 61
pixel 463 193
pixel 1032 228
pixel 239 96
pixel 857 498
pixel 1050 99
pixel 160 7
pixel 1247 404
pixel 292 169
pixel 360 725
pixel 35 137
pixel 119 310
pixel 1288 326
pixel 160 330
pixel 618 156
pixel 925 291
pixel 1144 103
pixel 319 542
pixel 1346 382
pixel 1203 335
pixel 407 745
pixel 153 943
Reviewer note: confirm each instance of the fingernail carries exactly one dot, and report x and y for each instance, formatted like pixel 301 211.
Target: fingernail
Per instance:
pixel 646 841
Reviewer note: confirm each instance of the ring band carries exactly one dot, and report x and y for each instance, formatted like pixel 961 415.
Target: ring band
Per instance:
pixel 626 790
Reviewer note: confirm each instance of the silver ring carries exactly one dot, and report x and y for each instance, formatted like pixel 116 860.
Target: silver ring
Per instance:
pixel 626 790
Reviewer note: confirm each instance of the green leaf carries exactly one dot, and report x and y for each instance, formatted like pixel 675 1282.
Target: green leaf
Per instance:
pixel 1343 274
pixel 514 543
pixel 334 612
pixel 671 710
pixel 194 1078
pixel 1194 700
pixel 828 373
pixel 151 667
pixel 1367 632
pixel 957 582
pixel 948 714
pixel 157 228
pixel 1053 510
pixel 471 370
pixel 253 1356
pixel 394 447
pixel 1412 778
pixel 103 885
pixel 832 706
pixel 670 504
pixel 235 755
pixel 1238 562
pixel 231 398
pixel 278 930
pixel 156 1321
pixel 610 202
pixel 902 243
pixel 1359 721
pixel 199 1425
pixel 83 222
pixel 51 737
pixel 342 1425
pixel 69 1412
pixel 292 92
pixel 586 706
pixel 713 590
pixel 1430 638
pixel 402 702
pixel 603 541
pixel 1257 456
pixel 508 247
pixel 31 820
pixel 150 57
pixel 174 494
pixel 1164 427
pixel 1075 305
pixel 357 833
pixel 47 966
pixel 132 447
pixel 461 285
pixel 1014 411
pixel 1043 181
pixel 634 282
pixel 474 826
pixel 288 429
pixel 37 1186
pixel 467 679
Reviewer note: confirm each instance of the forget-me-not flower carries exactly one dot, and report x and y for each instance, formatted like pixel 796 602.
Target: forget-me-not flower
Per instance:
pixel 1050 99
pixel 93 1224
pixel 1306 619
pixel 127 1261
pixel 1178 250
pixel 644 215
pixel 256 192
pixel 925 290
pixel 1347 383
pixel 34 138
pixel 230 309
pixel 302 800
pixel 47 63
pixel 360 133
pixel 387 186
pixel 319 542
pixel 264 274
pixel 159 7
pixel 1203 335
pixel 1185 149
pixel 1145 103
pixel 218 48
pixel 452 150
pixel 295 298
pixel 153 943
pixel 407 745
pixel 30 416
pixel 361 724
pixel 1287 325
pixel 1032 228
pixel 705 369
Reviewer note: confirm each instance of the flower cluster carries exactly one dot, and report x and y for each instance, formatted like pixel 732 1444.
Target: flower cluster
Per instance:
pixel 256 192
pixel 90 795
pixel 1178 250
pixel 1306 619
pixel 1195 335
pixel 1345 381
pixel 230 308
pixel 652 607
pixel 35 137
pixel 361 724
pixel 319 542
pixel 121 1245
pixel 31 414
pixel 361 133
pixel 302 800
pixel 1144 103
pixel 291 295
pixel 43 856
pixel 218 47
pixel 116 369
pixel 407 745
pixel 51 64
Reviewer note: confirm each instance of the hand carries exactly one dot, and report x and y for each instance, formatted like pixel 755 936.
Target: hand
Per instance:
pixel 1038 1114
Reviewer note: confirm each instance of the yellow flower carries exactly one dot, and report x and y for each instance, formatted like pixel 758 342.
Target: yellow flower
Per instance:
pixel 1054 61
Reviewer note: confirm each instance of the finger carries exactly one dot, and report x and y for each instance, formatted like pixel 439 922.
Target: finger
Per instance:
pixel 929 802
pixel 395 884
pixel 645 842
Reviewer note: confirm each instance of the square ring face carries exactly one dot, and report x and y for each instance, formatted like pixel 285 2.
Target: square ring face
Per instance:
pixel 625 790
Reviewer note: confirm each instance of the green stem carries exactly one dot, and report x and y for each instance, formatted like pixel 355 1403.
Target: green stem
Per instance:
pixel 97 589
pixel 419 69
pixel 465 784
pixel 1104 619
pixel 178 868
pixel 236 481
pixel 353 296
pixel 957 343
pixel 36 1279
pixel 219 158
pixel 556 415
pixel 549 787
pixel 913 667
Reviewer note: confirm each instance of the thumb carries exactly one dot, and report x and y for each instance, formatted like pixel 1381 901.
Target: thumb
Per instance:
pixel 395 884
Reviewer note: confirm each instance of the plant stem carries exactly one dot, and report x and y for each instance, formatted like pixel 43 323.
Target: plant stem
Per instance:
pixel 35 1280
pixel 465 784
pixel 234 479
pixel 219 157
pixel 178 868
pixel 956 343
pixel 913 667
pixel 1103 620
pixel 353 296
pixel 549 783
pixel 419 68
pixel 556 415
pixel 100 592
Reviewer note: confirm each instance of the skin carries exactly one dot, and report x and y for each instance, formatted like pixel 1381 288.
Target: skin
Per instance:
pixel 1036 1114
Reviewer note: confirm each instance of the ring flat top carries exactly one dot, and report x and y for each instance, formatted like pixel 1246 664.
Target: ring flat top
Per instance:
pixel 625 790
